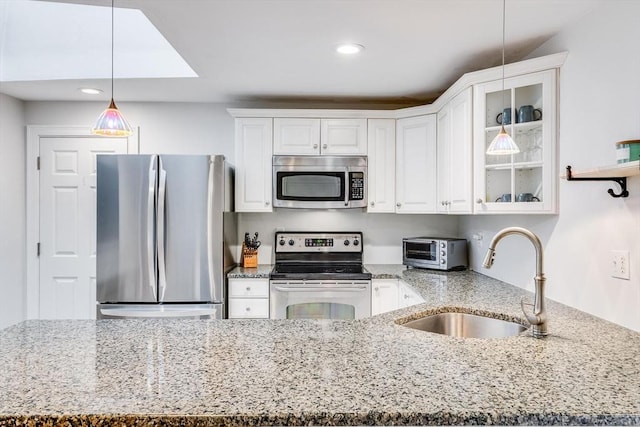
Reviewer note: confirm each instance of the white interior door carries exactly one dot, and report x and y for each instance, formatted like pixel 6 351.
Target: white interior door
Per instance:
pixel 68 224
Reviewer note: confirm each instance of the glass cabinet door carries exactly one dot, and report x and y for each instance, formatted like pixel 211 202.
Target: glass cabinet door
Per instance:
pixel 522 182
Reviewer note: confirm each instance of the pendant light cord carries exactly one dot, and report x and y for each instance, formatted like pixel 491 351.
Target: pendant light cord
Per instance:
pixel 112 32
pixel 504 6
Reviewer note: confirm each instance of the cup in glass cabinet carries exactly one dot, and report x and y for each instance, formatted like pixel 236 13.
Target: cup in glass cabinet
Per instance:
pixel 527 113
pixel 504 118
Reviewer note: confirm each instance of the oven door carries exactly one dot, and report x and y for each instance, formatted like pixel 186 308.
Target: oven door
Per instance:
pixel 317 299
pixel 421 253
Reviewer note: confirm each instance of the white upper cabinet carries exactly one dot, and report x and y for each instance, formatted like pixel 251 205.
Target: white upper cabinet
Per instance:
pixel 294 136
pixel 416 164
pixel 455 155
pixel 308 136
pixel 524 182
pixel 343 137
pixel 381 166
pixel 254 141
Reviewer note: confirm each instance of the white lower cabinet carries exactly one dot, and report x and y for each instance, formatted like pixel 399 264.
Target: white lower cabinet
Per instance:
pixel 384 295
pixel 248 298
pixel 407 296
pixel 392 294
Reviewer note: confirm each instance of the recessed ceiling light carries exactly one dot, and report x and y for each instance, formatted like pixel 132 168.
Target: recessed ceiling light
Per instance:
pixel 90 91
pixel 349 48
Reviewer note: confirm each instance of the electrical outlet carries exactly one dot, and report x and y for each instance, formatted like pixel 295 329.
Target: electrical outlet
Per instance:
pixel 620 264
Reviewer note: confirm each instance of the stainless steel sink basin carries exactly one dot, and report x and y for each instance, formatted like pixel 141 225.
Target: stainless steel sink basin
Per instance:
pixel 466 325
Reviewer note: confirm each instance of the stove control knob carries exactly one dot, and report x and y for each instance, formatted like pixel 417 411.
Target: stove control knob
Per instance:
pixel 356 243
pixel 291 242
pixel 281 242
pixel 443 253
pixel 346 242
pixel 443 261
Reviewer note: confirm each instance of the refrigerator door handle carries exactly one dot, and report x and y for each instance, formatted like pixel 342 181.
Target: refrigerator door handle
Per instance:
pixel 162 271
pixel 210 220
pixel 151 256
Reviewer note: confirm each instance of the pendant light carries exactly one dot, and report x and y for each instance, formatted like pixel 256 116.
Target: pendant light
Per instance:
pixel 503 143
pixel 111 122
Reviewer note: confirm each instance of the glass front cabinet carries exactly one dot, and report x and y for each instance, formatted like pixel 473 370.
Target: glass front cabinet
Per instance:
pixel 524 182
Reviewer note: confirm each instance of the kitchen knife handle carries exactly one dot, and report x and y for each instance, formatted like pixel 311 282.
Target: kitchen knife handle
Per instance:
pixel 151 253
pixel 162 267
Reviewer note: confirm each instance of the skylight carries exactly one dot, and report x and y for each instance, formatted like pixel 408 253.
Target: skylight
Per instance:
pixel 53 41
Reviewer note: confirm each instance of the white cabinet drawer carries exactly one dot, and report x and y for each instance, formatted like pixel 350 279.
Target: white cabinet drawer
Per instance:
pixel 249 288
pixel 246 308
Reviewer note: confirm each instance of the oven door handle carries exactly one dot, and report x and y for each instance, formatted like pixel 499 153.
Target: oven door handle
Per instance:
pixel 318 289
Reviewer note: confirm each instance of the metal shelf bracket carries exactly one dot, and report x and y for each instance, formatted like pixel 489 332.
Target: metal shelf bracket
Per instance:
pixel 621 181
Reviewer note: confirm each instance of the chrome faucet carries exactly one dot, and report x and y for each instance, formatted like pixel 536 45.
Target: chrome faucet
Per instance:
pixel 538 319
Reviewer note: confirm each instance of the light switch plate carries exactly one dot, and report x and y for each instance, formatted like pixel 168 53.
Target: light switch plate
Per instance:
pixel 620 264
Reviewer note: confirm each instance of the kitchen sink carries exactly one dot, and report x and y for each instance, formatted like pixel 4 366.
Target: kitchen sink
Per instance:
pixel 466 325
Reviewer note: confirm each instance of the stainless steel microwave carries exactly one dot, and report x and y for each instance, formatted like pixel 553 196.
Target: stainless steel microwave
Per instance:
pixel 322 182
pixel 435 253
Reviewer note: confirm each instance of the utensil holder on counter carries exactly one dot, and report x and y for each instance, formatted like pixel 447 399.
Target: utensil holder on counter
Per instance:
pixel 249 257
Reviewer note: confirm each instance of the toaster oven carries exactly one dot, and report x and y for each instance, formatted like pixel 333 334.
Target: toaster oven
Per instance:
pixel 435 253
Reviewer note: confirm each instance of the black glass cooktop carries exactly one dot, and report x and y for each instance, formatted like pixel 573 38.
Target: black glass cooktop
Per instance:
pixel 319 271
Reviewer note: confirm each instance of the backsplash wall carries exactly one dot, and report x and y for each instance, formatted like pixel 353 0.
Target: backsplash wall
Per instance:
pixel 382 233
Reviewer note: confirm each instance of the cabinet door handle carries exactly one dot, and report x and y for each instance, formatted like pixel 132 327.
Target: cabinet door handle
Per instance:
pixel 479 201
pixel 266 203
pixel 248 288
pixel 373 204
pixel 324 146
pixel 398 204
pixel 247 309
pixel 315 145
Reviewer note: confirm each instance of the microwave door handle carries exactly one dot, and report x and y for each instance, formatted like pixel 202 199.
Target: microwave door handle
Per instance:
pixel 347 188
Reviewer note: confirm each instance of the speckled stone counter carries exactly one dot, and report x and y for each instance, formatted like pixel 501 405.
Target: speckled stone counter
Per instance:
pixel 302 372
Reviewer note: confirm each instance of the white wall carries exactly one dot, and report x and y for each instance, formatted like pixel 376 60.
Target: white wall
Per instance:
pixel 382 233
pixel 168 128
pixel 12 211
pixel 599 105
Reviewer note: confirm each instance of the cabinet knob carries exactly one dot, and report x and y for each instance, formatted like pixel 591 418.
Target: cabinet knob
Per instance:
pixel 266 203
pixel 373 204
pixel 324 146
pixel 248 288
pixel 376 289
pixel 247 309
pixel 315 145
pixel 398 204
pixel 479 201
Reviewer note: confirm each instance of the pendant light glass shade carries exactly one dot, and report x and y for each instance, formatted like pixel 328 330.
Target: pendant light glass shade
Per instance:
pixel 111 122
pixel 503 143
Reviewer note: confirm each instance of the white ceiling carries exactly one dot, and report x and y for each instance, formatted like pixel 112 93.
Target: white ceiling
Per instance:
pixel 283 50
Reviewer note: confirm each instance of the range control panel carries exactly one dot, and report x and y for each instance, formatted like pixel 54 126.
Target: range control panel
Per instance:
pixel 294 241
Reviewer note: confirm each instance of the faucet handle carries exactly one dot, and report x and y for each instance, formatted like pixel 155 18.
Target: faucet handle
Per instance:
pixel 532 318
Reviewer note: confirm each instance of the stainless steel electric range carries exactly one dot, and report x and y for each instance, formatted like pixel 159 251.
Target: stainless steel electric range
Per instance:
pixel 319 275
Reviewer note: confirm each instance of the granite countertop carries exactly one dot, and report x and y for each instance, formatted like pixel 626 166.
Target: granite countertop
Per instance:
pixel 300 372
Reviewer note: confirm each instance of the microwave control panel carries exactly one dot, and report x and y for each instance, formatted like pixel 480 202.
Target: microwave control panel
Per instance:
pixel 357 185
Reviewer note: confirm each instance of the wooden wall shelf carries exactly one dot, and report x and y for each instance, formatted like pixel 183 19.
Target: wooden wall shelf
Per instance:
pixel 616 173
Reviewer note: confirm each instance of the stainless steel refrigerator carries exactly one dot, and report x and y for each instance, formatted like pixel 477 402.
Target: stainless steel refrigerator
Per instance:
pixel 165 227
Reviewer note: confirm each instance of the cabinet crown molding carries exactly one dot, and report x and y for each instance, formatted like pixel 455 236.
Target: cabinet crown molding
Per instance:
pixel 527 66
